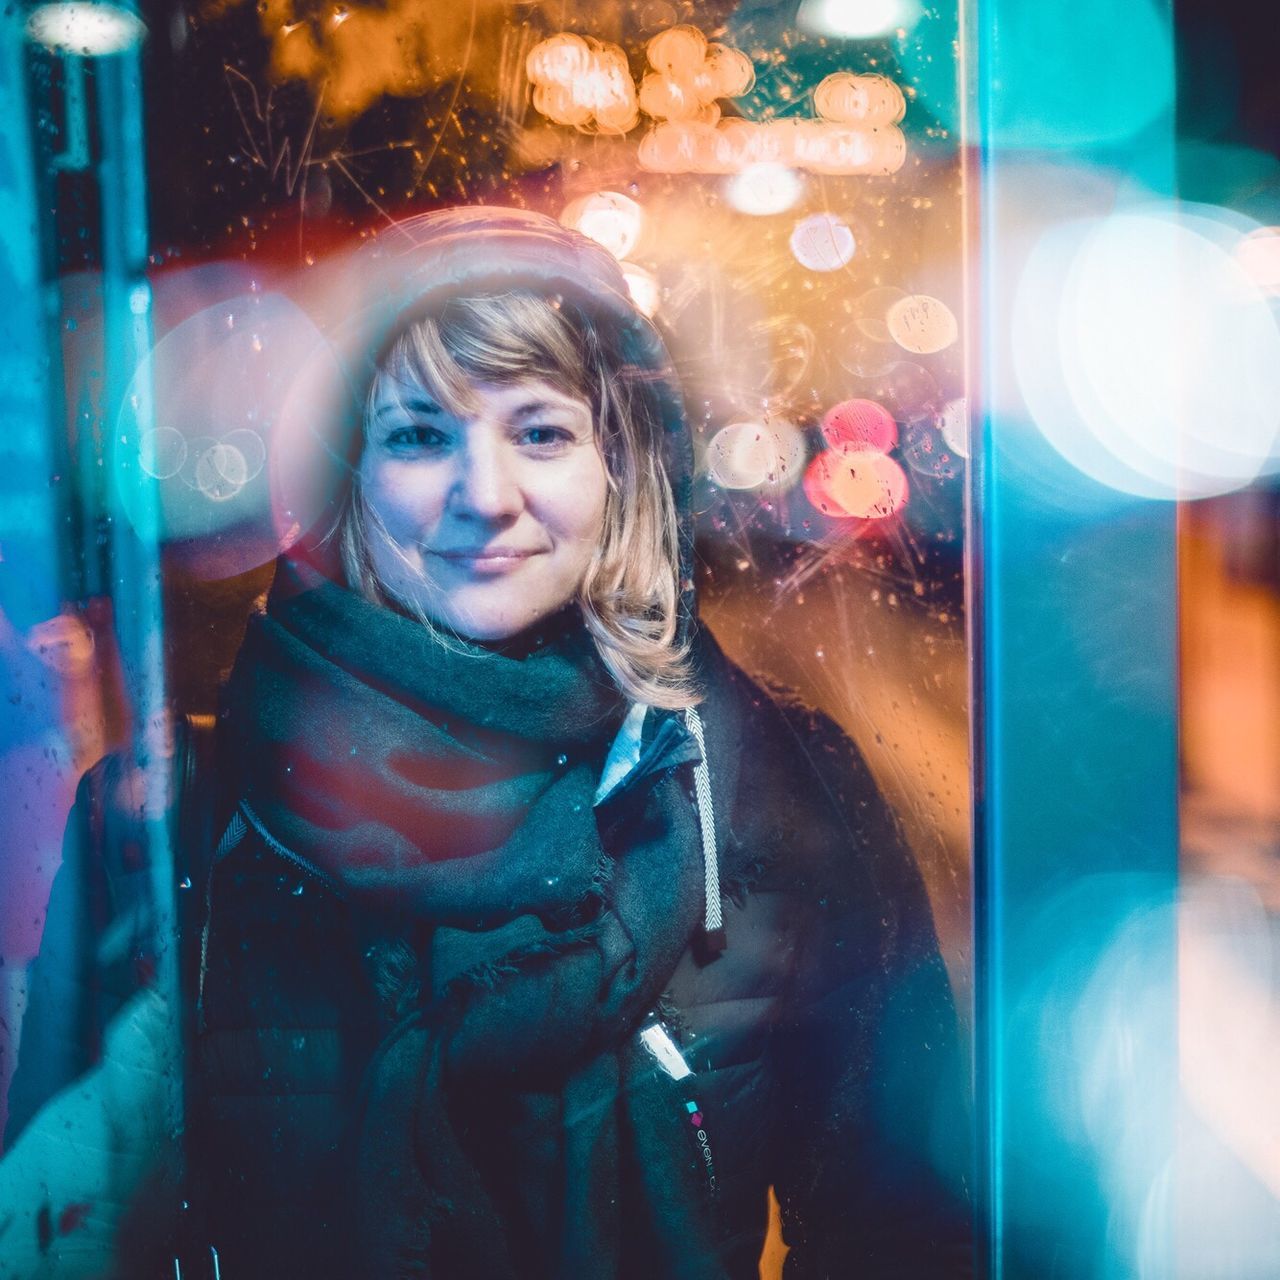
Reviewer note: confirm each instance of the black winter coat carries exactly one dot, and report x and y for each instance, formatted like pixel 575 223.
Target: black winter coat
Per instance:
pixel 823 1038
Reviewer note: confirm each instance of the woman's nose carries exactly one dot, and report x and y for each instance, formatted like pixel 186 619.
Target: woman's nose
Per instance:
pixel 486 486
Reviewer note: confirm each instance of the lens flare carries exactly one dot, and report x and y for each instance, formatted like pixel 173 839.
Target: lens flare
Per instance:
pixel 162 452
pixel 214 442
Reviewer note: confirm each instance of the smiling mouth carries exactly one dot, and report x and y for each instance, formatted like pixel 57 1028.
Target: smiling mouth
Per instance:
pixel 485 559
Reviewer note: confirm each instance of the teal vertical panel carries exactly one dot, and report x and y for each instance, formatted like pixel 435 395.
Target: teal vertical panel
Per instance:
pixel 1075 631
pixel 28 535
pixel 135 540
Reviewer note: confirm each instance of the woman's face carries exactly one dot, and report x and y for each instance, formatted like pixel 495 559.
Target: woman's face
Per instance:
pixel 494 516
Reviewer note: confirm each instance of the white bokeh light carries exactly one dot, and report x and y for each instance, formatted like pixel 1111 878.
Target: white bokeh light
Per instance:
pixel 856 19
pixel 822 242
pixel 84 28
pixel 762 189
pixel 607 217
pixel 1147 356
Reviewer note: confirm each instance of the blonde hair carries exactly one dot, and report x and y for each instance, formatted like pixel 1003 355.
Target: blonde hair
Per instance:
pixel 630 595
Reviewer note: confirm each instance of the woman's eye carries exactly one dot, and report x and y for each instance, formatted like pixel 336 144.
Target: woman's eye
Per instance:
pixel 541 437
pixel 416 437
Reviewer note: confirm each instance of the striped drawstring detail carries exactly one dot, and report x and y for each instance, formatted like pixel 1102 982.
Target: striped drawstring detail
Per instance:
pixel 713 920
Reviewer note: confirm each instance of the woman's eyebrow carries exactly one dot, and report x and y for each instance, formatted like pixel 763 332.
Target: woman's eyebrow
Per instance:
pixel 535 407
pixel 410 404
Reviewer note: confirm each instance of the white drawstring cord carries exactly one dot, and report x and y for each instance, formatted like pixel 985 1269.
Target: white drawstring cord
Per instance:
pixel 713 921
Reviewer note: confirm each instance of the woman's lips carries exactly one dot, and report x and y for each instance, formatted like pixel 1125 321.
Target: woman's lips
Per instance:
pixel 485 560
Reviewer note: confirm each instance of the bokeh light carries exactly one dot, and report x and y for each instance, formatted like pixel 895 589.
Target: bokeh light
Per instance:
pixel 859 425
pixel 953 426
pixel 762 189
pixel 711 145
pixel 747 455
pixel 855 19
pixel 84 28
pixel 921 324
pixel 608 218
pixel 859 484
pixel 1146 355
pixel 845 98
pixel 822 242
pixel 678 52
pixel 643 287
pixel 1259 257
pixel 927 454
pixel 689 75
pixel 583 83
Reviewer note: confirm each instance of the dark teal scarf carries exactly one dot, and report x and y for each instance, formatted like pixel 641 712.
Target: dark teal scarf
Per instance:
pixel 510 1123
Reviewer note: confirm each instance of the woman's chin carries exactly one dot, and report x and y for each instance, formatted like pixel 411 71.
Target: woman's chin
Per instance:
pixel 499 625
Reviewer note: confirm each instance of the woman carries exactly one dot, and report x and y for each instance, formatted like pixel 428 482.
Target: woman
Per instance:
pixel 541 941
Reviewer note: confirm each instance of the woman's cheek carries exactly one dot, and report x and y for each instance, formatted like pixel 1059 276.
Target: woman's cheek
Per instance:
pixel 404 499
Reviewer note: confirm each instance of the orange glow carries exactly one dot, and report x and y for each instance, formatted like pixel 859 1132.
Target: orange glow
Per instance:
pixel 689 75
pixel 558 59
pixel 845 98
pixel 678 51
pixel 921 324
pixel 583 83
pixel 694 146
pixel 351 54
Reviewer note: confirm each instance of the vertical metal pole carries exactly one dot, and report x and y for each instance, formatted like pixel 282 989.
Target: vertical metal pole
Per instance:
pixel 1074 619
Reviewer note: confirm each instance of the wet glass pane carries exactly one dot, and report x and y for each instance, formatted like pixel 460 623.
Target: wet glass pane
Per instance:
pixel 487 545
